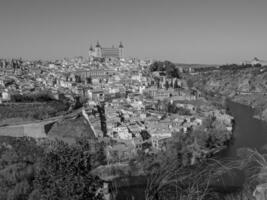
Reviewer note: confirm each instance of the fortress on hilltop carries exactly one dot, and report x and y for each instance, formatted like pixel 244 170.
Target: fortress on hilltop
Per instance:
pixel 108 53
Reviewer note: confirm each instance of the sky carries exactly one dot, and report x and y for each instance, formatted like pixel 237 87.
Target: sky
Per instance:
pixel 183 31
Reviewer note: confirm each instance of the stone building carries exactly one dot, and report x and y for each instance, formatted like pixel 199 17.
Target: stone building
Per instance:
pixel 108 53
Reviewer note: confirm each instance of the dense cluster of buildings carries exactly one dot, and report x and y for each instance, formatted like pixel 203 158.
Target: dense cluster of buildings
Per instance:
pixel 122 101
pixel 139 107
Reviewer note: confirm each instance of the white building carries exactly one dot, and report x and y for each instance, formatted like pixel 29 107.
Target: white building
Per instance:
pixel 6 95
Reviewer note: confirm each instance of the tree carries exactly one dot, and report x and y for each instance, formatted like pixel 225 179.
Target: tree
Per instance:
pixel 78 79
pixel 145 136
pixel 171 70
pixel 20 192
pixel 101 111
pixel 167 85
pixel 175 86
pixel 157 81
pixel 64 174
pixel 156 66
pixel 89 80
pixel 171 84
pixel 78 103
pixel 18 158
pixel 171 108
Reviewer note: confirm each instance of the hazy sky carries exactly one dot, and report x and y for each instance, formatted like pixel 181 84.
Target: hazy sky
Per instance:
pixel 186 31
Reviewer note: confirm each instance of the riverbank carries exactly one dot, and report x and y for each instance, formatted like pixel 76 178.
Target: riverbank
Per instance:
pixel 237 173
pixel 245 86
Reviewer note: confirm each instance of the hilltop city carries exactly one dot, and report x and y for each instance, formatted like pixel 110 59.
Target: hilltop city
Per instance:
pixel 132 109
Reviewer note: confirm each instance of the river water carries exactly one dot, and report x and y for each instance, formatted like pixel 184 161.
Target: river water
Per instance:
pixel 248 132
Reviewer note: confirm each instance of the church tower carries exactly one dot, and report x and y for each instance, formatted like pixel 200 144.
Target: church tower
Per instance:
pixel 91 51
pixel 98 50
pixel 121 50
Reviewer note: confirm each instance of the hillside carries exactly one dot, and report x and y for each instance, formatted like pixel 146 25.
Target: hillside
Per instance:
pixel 18 112
pixel 246 86
pixel 71 129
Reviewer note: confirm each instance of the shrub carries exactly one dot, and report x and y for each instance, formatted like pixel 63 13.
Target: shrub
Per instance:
pixel 64 174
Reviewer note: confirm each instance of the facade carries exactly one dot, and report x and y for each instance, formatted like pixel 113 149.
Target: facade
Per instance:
pixel 108 53
pixel 96 95
pixel 94 73
pixel 5 96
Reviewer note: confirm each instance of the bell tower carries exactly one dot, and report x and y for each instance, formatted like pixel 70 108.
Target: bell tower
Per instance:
pixel 91 51
pixel 121 47
pixel 98 50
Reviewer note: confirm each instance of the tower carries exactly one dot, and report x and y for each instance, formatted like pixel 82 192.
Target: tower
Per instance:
pixel 91 51
pixel 98 50
pixel 121 50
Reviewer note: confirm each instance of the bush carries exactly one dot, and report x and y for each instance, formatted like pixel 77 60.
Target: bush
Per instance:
pixel 32 110
pixel 18 157
pixel 20 192
pixel 64 174
pixel 37 97
pixel 51 170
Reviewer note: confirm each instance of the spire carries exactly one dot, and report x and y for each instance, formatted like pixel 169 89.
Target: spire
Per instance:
pixel 91 48
pixel 121 45
pixel 97 44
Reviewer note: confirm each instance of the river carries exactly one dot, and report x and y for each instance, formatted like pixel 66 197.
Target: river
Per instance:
pixel 248 131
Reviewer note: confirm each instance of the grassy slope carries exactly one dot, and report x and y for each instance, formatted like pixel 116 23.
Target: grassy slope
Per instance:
pixel 29 111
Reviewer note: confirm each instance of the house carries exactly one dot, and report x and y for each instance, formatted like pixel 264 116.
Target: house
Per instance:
pixel 2 82
pixel 6 96
pixel 123 133
pixel 190 107
pixel 159 142
pixel 96 95
pixel 138 105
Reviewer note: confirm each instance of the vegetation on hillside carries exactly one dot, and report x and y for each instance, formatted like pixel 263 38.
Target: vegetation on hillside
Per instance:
pixel 238 67
pixel 32 111
pixel 31 170
pixel 18 159
pixel 246 85
pixel 168 67
pixel 210 179
pixel 43 96
pixel 186 169
pixel 64 173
